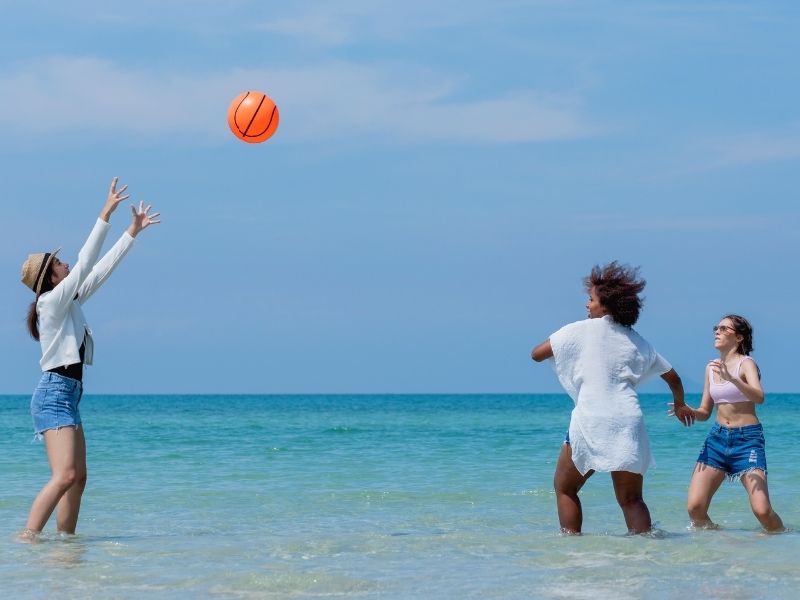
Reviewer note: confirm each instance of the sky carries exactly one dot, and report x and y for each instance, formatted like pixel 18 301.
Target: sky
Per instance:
pixel 443 177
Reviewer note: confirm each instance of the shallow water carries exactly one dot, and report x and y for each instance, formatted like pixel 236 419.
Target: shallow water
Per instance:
pixel 378 497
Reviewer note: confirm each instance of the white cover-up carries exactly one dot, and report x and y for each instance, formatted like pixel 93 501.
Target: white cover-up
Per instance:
pixel 600 362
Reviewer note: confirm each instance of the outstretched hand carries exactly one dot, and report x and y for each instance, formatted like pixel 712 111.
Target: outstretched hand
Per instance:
pixel 115 196
pixel 142 218
pixel 683 413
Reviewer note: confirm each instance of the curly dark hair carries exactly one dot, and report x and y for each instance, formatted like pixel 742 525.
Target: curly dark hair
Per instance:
pixel 617 288
pixel 743 328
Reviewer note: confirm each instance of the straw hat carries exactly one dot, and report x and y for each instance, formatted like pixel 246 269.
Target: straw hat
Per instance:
pixel 35 267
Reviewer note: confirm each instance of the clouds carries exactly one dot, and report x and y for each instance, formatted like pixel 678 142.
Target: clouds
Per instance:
pixel 756 148
pixel 384 102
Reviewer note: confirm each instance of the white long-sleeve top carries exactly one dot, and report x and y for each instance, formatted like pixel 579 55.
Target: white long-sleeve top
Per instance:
pixel 600 363
pixel 62 325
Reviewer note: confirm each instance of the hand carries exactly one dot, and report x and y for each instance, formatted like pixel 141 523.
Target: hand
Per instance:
pixel 683 413
pixel 721 370
pixel 142 218
pixel 115 196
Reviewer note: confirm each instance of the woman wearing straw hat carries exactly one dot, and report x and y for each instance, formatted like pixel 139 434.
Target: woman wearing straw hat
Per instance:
pixel 56 320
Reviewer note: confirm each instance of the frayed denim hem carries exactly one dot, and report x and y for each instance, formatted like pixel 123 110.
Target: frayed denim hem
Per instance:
pixel 38 437
pixel 734 477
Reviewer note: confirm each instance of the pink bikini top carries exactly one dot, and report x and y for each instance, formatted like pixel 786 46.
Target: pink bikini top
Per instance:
pixel 726 392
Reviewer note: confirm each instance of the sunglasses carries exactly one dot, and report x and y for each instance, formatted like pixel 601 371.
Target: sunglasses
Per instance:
pixel 722 328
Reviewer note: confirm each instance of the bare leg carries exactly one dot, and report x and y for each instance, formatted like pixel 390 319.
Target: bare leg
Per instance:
pixel 755 482
pixel 70 504
pixel 61 453
pixel 704 484
pixel 567 482
pixel 628 489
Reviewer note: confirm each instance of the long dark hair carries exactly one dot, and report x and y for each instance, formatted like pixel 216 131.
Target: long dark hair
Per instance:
pixel 617 287
pixel 743 328
pixel 32 320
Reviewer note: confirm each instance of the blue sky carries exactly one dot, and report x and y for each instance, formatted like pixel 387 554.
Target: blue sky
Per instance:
pixel 443 176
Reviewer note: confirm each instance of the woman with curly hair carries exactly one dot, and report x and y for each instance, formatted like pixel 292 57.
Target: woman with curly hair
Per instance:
pixel 735 445
pixel 600 361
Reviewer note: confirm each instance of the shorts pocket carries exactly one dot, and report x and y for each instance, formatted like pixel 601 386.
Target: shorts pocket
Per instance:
pixel 39 399
pixel 754 436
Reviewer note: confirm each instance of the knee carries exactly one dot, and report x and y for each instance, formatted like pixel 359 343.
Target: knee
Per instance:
pixel 563 488
pixel 65 479
pixel 70 477
pixel 629 499
pixel 761 509
pixel 696 509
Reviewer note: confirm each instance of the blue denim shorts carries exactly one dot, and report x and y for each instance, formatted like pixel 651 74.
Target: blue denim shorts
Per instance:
pixel 55 403
pixel 735 450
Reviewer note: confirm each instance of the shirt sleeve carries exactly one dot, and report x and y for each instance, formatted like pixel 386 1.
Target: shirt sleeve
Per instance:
pixel 660 365
pixel 58 301
pixel 104 267
pixel 565 340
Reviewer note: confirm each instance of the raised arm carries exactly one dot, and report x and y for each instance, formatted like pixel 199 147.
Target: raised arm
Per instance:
pixel 140 220
pixel 59 299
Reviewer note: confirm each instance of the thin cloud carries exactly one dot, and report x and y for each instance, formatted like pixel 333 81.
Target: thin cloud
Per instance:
pixel 390 102
pixel 754 149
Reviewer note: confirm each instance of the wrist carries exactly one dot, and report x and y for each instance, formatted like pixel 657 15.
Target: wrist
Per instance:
pixel 132 231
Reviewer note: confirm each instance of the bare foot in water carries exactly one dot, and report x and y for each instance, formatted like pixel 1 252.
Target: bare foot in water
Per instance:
pixel 28 536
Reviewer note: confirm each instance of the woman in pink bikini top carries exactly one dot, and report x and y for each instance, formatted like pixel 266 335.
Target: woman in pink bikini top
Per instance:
pixel 734 448
pixel 725 391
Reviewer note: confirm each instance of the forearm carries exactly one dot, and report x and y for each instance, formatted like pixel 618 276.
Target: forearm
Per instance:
pixel 105 266
pixel 677 393
pixel 753 393
pixel 701 414
pixel 675 384
pixel 62 295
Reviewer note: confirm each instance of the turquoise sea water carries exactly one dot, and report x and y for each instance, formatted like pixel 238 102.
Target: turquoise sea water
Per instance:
pixel 378 497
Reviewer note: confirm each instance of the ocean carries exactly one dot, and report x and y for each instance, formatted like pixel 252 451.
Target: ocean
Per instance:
pixel 379 496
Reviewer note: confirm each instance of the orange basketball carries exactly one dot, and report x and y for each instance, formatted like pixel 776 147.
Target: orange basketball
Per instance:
pixel 253 117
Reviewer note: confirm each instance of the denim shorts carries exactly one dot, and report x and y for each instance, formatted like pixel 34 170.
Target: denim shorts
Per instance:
pixel 734 450
pixel 55 403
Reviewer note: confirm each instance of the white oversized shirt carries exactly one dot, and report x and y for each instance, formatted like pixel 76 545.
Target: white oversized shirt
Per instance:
pixel 62 325
pixel 600 362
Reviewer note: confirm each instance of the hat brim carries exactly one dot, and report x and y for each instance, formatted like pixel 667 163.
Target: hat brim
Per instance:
pixel 40 279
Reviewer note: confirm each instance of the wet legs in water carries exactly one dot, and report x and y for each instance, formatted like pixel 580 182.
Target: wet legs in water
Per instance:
pixel 66 453
pixel 568 481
